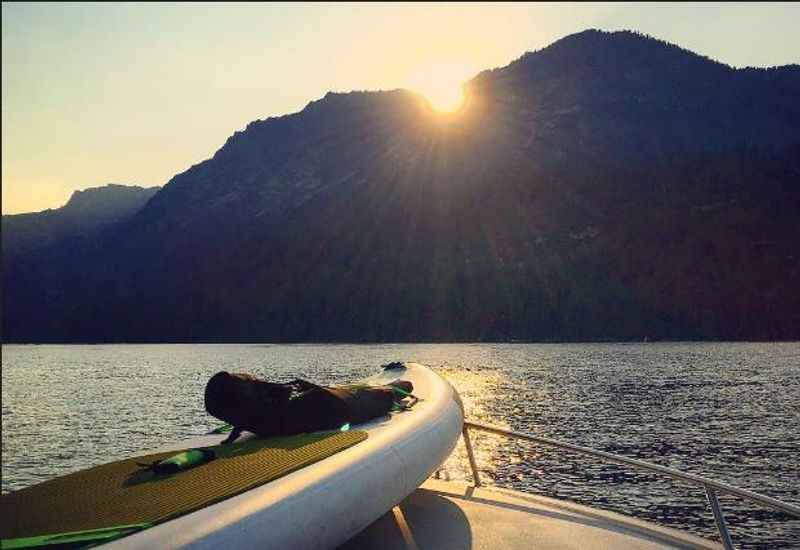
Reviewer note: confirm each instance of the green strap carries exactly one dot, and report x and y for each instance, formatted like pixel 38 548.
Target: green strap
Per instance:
pixel 225 428
pixel 103 535
pixel 399 405
pixel 401 391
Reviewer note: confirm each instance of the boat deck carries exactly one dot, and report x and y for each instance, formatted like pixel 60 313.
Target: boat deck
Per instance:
pixel 446 515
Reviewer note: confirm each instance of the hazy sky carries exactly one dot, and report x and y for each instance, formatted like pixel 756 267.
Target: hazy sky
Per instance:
pixel 136 93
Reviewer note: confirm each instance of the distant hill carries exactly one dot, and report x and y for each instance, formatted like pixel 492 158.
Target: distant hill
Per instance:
pixel 85 212
pixel 609 186
pixel 44 252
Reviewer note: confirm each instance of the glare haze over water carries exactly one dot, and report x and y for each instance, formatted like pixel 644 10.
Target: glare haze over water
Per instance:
pixel 728 411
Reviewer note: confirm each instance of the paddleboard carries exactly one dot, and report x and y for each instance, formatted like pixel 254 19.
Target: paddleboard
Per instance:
pixel 338 483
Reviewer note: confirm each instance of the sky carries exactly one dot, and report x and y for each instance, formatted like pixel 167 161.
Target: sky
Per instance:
pixel 136 93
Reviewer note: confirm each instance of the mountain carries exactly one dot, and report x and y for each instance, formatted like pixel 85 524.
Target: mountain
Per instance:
pixel 44 252
pixel 624 97
pixel 609 186
pixel 86 212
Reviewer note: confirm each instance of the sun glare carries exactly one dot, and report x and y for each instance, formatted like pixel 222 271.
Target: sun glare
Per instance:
pixel 446 99
pixel 440 80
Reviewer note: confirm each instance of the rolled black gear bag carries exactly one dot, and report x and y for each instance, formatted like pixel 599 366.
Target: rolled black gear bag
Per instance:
pixel 272 409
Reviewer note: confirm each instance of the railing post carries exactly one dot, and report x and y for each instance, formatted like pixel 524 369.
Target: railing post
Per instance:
pixel 719 518
pixel 476 480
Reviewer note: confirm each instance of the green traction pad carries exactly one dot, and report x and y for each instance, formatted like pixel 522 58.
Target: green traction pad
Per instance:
pixel 75 538
pixel 113 500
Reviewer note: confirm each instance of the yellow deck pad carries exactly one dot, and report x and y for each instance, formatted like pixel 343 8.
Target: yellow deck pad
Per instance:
pixel 124 493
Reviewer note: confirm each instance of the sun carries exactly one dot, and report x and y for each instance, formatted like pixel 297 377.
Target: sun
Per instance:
pixel 441 81
pixel 445 98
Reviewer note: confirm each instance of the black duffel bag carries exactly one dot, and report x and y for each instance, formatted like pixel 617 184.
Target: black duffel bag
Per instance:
pixel 272 409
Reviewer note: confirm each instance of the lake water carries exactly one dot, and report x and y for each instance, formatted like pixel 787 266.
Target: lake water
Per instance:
pixel 727 411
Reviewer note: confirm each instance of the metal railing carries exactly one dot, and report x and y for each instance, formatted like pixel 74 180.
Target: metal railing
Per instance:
pixel 710 486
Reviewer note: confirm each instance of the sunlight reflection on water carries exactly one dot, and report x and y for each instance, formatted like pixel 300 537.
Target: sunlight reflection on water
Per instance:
pixel 477 389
